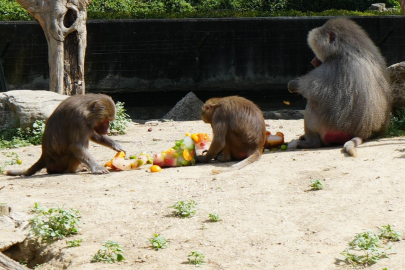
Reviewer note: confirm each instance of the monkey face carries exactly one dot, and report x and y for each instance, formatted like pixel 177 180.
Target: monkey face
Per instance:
pixel 323 43
pixel 103 128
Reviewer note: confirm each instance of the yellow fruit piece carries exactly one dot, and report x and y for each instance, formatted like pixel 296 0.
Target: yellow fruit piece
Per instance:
pixel 187 155
pixel 19 161
pixel 155 168
pixel 187 134
pixel 120 154
pixel 195 138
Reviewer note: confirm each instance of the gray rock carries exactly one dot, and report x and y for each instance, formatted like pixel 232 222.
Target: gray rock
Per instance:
pixel 397 73
pixel 284 114
pixel 21 108
pixel 378 6
pixel 187 109
pixel 13 231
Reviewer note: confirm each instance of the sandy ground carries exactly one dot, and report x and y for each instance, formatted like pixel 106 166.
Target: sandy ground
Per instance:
pixel 270 218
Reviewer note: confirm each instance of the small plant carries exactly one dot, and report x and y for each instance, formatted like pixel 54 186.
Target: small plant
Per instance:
pixel 388 233
pixel 158 242
pixel 196 258
pixel 365 249
pixel 34 135
pixel 110 252
pixel 122 120
pixel 74 243
pixel 17 137
pixel 214 217
pixel 15 159
pixel 316 184
pixel 185 209
pixel 54 223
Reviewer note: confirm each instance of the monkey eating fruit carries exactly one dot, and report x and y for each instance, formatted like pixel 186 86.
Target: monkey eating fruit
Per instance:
pixel 68 130
pixel 239 131
pixel 348 93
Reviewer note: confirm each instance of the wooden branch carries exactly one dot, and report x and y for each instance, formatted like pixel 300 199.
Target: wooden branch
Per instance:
pixel 9 264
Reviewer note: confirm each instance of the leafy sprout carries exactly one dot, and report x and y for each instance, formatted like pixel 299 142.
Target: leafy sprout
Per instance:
pixel 185 209
pixel 110 252
pixel 214 217
pixel 316 184
pixel 158 242
pixel 196 257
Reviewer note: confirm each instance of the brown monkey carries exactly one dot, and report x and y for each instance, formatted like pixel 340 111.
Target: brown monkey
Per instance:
pixel 68 130
pixel 239 131
pixel 348 93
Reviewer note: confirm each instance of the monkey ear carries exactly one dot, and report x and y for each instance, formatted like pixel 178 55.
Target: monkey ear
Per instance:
pixel 207 107
pixel 332 37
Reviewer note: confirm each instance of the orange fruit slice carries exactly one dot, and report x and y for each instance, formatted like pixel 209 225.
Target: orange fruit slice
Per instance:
pixel 155 168
pixel 187 155
pixel 120 154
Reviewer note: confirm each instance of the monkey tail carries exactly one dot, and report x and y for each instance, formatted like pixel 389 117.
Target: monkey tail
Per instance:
pixel 350 146
pixel 250 159
pixel 40 164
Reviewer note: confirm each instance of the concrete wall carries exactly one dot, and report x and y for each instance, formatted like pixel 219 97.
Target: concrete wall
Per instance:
pixel 248 54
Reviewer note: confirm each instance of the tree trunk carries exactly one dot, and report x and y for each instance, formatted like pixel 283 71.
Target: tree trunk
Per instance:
pixel 402 4
pixel 8 264
pixel 58 19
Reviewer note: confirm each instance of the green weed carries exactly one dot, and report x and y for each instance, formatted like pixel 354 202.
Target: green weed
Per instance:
pixel 366 249
pixel 196 258
pixel 158 242
pixel 316 184
pixel 54 223
pixel 185 209
pixel 74 243
pixel 122 120
pixel 388 233
pixel 110 252
pixel 214 217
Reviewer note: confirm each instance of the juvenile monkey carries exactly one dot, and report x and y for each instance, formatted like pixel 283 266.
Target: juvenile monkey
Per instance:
pixel 68 130
pixel 348 93
pixel 239 131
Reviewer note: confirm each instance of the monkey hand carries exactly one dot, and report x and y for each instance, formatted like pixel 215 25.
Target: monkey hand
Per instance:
pixel 99 170
pixel 293 86
pixel 117 147
pixel 293 144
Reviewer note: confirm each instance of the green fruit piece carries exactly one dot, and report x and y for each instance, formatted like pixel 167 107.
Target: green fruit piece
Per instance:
pixel 132 157
pixel 283 147
pixel 19 161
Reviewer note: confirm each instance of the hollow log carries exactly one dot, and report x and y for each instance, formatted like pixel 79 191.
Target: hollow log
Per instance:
pixel 64 25
pixel 9 264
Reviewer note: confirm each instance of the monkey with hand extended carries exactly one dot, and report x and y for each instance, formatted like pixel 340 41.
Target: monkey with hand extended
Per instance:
pixel 348 93
pixel 239 131
pixel 76 121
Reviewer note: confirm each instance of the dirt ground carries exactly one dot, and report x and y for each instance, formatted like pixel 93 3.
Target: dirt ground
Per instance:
pixel 270 218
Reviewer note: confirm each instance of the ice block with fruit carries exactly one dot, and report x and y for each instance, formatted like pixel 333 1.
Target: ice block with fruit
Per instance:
pixel 273 141
pixel 134 162
pixel 183 153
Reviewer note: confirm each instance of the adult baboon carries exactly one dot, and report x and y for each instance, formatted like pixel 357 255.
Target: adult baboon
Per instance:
pixel 348 93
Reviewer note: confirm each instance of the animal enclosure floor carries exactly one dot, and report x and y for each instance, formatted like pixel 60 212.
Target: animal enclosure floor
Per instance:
pixel 270 218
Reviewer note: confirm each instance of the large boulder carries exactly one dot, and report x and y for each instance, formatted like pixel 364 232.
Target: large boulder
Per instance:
pixel 397 73
pixel 21 108
pixel 187 109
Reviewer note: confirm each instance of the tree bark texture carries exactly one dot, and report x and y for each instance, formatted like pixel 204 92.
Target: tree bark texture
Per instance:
pixel 8 264
pixel 402 4
pixel 66 51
